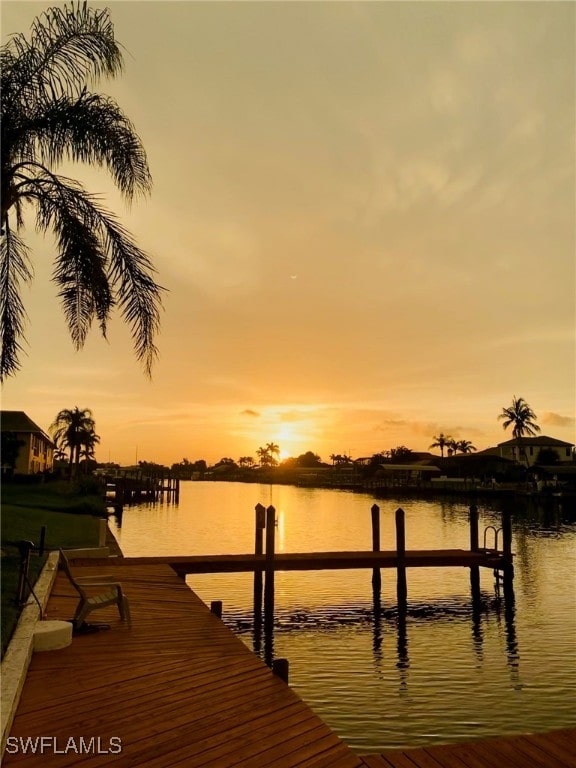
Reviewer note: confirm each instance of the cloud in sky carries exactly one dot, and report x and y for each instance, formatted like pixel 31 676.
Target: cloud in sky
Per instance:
pixel 421 186
pixel 557 420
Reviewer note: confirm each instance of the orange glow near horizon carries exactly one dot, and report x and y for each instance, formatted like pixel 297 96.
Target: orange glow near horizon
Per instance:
pixel 353 251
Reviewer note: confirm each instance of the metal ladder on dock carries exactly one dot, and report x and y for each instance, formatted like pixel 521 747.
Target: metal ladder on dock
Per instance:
pixel 495 550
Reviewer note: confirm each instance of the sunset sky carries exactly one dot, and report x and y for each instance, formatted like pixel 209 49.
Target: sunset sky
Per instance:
pixel 363 213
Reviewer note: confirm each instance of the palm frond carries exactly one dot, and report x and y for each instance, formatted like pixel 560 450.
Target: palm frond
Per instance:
pixel 14 269
pixel 49 116
pixel 77 218
pixel 92 129
pixel 139 296
pixel 68 47
pixel 80 265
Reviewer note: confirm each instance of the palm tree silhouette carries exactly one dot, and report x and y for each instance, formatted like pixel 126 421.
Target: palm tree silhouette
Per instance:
pixel 521 417
pixel 272 449
pixel 49 116
pixel 442 441
pixel 263 456
pixel 88 442
pixel 73 429
pixel 464 446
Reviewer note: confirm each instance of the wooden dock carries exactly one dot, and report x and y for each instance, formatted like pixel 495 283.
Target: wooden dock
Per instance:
pixel 180 689
pixel 556 749
pixel 133 486
pixel 313 561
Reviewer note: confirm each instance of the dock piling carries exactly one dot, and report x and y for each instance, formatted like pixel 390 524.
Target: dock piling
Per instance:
pixel 507 550
pixel 260 524
pixel 401 587
pixel 216 608
pixel 280 667
pixel 474 547
pixel 376 576
pixel 42 541
pixel 269 581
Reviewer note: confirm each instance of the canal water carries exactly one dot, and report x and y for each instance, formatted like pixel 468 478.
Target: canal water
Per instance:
pixel 453 672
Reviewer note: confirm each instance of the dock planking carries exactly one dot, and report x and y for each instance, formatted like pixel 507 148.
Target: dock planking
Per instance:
pixel 556 749
pixel 310 561
pixel 180 689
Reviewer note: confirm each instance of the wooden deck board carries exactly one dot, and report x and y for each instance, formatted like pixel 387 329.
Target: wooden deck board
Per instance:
pixel 549 747
pixel 178 687
pixel 556 749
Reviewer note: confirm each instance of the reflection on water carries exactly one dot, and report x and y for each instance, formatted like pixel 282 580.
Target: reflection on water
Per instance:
pixel 458 663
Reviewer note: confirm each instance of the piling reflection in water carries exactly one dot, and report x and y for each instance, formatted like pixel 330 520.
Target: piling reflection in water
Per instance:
pixel 264 594
pixel 399 617
pixel 403 663
pixel 477 636
pixel 377 623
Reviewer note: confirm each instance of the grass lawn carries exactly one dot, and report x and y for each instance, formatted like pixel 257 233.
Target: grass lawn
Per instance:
pixel 25 509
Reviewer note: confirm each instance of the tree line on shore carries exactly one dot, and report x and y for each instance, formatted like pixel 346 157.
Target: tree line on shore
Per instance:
pixel 74 433
pixel 519 415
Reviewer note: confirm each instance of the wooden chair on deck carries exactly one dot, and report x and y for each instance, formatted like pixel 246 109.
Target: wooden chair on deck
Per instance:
pixel 90 600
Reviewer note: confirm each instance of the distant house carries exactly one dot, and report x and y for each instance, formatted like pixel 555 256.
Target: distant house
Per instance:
pixel 526 449
pixel 26 449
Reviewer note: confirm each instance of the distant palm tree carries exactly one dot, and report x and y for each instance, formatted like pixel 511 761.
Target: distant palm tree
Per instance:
pixel 521 417
pixel 246 461
pixel 88 442
pixel 451 445
pixel 442 441
pixel 272 449
pixel 48 117
pixel 264 456
pixel 464 446
pixel 73 429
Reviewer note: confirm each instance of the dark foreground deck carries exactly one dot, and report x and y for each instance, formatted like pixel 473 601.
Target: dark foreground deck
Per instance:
pixel 179 689
pixel 544 750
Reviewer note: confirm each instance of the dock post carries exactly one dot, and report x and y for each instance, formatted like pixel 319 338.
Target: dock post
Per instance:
pixel 280 667
pixel 401 588
pixel 507 550
pixel 474 569
pixel 260 524
pixel 42 542
pixel 269 583
pixel 216 608
pixel 119 487
pixel 376 577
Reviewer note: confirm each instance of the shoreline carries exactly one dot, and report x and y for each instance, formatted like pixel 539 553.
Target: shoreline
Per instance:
pixel 451 489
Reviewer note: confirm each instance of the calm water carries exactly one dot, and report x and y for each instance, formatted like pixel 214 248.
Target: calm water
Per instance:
pixel 454 673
